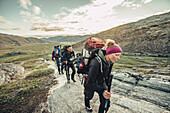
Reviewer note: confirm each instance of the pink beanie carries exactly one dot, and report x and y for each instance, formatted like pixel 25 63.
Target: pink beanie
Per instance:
pixel 113 49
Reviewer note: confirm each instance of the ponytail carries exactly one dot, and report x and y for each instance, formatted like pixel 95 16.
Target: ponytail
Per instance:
pixel 110 42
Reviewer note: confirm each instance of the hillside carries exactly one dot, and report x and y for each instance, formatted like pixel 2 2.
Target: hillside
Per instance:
pixel 147 35
pixel 7 41
pixel 67 38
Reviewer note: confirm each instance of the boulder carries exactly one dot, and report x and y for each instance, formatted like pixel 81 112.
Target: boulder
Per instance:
pixel 10 72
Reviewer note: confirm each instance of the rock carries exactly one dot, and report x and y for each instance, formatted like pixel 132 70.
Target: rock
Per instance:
pixel 160 71
pixel 152 55
pixel 131 93
pixel 40 59
pixel 10 72
pixel 47 59
pixel 134 68
pixel 14 53
pixel 155 83
pixel 157 97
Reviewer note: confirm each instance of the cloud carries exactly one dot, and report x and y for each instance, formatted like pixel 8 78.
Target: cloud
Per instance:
pixel 36 10
pixel 2 20
pixel 11 29
pixel 94 17
pixel 46 27
pixel 41 24
pixel 60 15
pixel 91 18
pixel 103 2
pixel 146 1
pixel 127 3
pixel 25 3
pixel 161 12
pixel 131 4
pixel 63 12
pixel 25 13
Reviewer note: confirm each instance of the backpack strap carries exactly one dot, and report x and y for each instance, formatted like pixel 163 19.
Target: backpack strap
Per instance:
pixel 100 61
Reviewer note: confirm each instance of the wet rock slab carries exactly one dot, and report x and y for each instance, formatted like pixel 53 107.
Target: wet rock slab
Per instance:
pixel 131 93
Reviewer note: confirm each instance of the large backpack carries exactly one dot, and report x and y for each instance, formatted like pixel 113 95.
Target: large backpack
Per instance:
pixel 90 51
pixel 91 47
pixel 63 50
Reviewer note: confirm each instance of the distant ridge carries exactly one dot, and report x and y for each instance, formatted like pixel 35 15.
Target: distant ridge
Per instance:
pixel 7 41
pixel 67 38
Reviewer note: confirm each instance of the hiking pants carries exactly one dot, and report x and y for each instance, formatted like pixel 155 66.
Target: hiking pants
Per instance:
pixel 88 95
pixel 58 64
pixel 62 66
pixel 70 65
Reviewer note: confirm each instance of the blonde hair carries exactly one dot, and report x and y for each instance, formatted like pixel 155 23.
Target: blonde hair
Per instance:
pixel 109 42
pixel 56 50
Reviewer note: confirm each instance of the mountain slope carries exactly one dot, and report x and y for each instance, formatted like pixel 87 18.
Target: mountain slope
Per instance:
pixel 67 38
pixel 147 35
pixel 11 40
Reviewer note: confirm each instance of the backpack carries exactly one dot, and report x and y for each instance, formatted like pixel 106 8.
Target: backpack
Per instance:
pixel 58 48
pixel 63 50
pixel 90 51
pixel 53 56
pixel 91 47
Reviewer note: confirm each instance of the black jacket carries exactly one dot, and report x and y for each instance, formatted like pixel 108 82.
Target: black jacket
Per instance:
pixel 68 56
pixel 97 77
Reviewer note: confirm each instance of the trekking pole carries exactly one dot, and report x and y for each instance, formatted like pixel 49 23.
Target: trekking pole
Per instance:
pixel 109 87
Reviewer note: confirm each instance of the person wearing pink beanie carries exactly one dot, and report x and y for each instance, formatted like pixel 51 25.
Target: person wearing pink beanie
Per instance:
pixel 99 71
pixel 113 53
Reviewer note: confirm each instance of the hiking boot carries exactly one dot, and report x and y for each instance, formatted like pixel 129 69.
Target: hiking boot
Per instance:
pixel 73 80
pixel 59 73
pixel 89 109
pixel 62 73
pixel 68 81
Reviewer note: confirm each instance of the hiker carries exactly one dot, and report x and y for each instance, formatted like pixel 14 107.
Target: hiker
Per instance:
pixel 99 70
pixel 55 56
pixel 63 50
pixel 68 56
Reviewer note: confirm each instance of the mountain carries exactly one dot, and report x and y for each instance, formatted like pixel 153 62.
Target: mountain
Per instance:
pixel 67 38
pixel 11 40
pixel 151 35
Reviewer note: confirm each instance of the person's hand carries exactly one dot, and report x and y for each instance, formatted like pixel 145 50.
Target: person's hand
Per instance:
pixel 53 59
pixel 66 62
pixel 107 94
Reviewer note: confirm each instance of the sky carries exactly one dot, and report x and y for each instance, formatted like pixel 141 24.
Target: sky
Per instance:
pixel 45 18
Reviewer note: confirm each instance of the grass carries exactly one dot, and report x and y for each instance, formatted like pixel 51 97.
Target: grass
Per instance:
pixel 20 58
pixel 25 95
pixel 135 61
pixel 40 73
pixel 145 71
pixel 127 62
pixel 33 51
pixel 31 48
pixel 35 64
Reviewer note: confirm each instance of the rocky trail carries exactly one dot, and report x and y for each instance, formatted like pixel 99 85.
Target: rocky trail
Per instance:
pixel 131 93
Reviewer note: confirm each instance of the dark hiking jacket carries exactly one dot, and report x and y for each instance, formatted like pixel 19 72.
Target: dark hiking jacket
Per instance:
pixel 97 75
pixel 68 56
